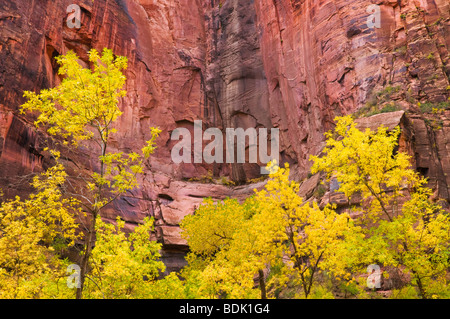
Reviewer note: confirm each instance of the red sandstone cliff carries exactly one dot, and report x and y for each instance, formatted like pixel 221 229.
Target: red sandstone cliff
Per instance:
pixel 290 64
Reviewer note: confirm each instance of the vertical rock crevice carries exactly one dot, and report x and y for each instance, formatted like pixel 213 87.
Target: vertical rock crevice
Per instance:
pixel 235 73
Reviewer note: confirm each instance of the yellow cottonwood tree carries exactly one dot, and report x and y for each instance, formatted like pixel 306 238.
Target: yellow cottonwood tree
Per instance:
pixel 30 232
pixel 275 227
pixel 212 226
pixel 123 266
pixel 364 162
pixel 84 108
pixel 313 239
pixel 209 233
pixel 413 234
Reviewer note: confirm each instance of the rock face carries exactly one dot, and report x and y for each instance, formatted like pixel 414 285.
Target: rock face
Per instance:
pixel 289 64
pixel 322 59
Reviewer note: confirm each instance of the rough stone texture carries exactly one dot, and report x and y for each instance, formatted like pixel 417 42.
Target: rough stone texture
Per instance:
pixel 431 152
pixel 289 64
pixel 321 60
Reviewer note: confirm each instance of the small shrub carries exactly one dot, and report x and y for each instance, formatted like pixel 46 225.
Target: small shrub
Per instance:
pixel 407 292
pixel 391 107
pixel 320 191
pixel 206 179
pixel 320 292
pixel 349 289
pixel 429 107
pixel 258 179
pixel 402 50
pixel 377 99
pixel 226 181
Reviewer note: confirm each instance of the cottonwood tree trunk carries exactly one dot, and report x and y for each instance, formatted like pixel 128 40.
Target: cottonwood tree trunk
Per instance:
pixel 87 253
pixel 262 284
